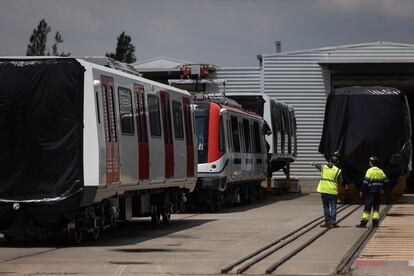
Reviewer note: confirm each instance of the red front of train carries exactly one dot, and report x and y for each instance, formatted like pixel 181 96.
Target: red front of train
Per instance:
pixel 232 157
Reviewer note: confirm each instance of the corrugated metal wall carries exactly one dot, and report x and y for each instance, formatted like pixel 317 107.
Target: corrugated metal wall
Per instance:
pixel 240 79
pixel 297 79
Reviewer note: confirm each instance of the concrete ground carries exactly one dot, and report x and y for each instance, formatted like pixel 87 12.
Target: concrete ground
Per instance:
pixel 391 249
pixel 192 244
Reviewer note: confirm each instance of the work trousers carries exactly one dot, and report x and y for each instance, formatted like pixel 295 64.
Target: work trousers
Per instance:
pixel 329 207
pixel 372 201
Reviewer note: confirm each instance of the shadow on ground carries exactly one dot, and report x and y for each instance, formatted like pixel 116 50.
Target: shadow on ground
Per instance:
pixel 137 231
pixel 126 233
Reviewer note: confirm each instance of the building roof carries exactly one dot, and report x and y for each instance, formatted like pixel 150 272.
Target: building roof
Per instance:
pixel 333 48
pixel 159 64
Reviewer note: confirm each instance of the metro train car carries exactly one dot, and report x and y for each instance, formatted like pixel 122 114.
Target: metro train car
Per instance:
pixel 232 155
pixel 282 122
pixel 364 121
pixel 84 145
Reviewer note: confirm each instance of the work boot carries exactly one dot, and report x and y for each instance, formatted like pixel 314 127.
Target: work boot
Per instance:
pixel 334 224
pixel 375 223
pixel 325 225
pixel 363 224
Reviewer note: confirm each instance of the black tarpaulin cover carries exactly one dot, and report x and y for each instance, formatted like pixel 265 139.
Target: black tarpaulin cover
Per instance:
pixel 41 110
pixel 365 121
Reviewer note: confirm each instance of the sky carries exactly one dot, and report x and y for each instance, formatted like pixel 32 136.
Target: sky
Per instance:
pixel 222 32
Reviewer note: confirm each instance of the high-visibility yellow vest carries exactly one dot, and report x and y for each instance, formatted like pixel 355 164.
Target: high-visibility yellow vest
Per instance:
pixel 375 179
pixel 374 174
pixel 329 180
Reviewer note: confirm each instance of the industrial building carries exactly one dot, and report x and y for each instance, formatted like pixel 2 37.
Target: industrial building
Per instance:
pixel 303 79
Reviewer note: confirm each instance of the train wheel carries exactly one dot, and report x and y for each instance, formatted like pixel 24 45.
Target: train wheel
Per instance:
pixel 155 215
pixel 95 233
pixel 166 217
pixel 96 230
pixel 77 236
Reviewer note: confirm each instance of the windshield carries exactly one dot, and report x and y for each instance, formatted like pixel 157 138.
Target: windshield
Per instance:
pixel 202 138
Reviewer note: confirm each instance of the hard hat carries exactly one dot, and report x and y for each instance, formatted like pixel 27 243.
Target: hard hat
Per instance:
pixel 373 158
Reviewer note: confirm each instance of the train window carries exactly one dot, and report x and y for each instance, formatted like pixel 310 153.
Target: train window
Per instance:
pixel 235 134
pixel 258 141
pixel 222 142
pixel 178 120
pixel 140 113
pixel 242 141
pixel 187 121
pixel 97 107
pixel 106 113
pixel 112 121
pixel 125 110
pixel 166 113
pixel 202 138
pixel 229 136
pixel 246 133
pixel 154 115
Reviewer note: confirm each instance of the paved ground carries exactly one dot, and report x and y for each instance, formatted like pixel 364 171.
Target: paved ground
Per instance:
pixel 193 244
pixel 391 250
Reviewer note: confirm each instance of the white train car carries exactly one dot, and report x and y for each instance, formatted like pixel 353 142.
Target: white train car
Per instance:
pixel 232 154
pixel 282 122
pixel 84 145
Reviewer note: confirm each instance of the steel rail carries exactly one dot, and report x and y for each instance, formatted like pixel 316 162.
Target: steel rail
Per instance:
pixel 346 262
pixel 241 260
pixel 275 265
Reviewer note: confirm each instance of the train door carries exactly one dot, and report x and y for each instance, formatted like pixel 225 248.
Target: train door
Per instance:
pixel 111 133
pixel 188 137
pixel 248 170
pixel 236 146
pixel 243 164
pixel 180 170
pixel 230 154
pixel 141 119
pixel 168 140
pixel 258 149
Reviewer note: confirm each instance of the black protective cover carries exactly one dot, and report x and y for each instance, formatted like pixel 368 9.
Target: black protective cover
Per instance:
pixel 365 121
pixel 41 123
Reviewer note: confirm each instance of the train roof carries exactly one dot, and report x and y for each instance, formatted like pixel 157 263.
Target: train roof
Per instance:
pixel 103 64
pixel 264 96
pixel 235 109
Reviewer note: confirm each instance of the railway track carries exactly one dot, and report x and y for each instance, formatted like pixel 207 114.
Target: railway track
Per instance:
pixel 242 264
pixel 346 262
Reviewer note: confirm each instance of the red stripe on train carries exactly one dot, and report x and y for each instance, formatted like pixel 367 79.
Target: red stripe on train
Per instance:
pixel 213 133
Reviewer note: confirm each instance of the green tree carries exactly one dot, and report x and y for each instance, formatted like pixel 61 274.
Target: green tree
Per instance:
pixel 58 40
pixel 125 50
pixel 38 39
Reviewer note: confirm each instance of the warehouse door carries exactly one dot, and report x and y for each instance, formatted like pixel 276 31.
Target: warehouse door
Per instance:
pixel 400 76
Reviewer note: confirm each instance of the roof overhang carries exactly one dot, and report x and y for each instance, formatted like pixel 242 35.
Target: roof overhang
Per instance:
pixel 191 81
pixel 365 61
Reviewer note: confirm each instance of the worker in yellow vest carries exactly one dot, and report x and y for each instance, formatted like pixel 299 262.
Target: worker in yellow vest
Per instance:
pixel 374 181
pixel 328 188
